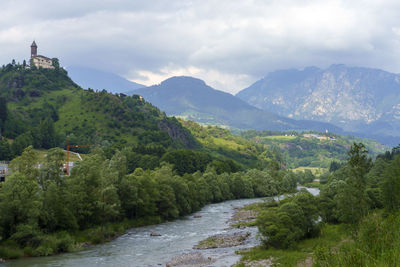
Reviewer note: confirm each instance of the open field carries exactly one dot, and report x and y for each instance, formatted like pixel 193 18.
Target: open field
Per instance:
pixel 314 170
pixel 280 137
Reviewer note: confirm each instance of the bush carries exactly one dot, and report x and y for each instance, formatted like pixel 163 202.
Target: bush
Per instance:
pixel 65 242
pixel 293 220
pixel 10 252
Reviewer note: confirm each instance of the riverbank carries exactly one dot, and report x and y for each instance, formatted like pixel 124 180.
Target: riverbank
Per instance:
pixel 62 242
pixel 301 256
pixel 137 248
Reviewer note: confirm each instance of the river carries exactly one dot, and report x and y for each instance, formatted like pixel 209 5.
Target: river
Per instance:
pixel 138 248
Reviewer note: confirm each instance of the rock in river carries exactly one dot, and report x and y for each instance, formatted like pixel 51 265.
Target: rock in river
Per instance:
pixel 154 234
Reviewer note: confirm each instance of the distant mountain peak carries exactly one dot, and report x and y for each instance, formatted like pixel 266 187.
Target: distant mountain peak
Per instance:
pixel 193 99
pixel 358 99
pixel 98 80
pixel 187 80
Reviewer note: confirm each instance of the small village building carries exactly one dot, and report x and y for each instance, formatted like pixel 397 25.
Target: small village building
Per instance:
pixel 3 170
pixel 38 60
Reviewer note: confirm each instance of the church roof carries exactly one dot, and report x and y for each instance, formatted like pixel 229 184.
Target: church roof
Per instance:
pixel 33 44
pixel 40 56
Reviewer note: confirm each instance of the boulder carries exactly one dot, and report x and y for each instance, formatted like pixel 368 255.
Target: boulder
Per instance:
pixel 154 234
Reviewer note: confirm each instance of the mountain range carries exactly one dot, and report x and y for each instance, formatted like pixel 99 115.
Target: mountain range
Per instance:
pixel 193 99
pixel 354 100
pixel 360 100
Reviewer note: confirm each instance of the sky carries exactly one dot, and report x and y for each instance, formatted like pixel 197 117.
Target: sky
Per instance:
pixel 228 43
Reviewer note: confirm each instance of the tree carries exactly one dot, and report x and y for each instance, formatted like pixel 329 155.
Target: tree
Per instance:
pixel 47 134
pixel 359 163
pixel 391 185
pixel 20 202
pixel 55 62
pixel 5 150
pixel 334 166
pixel 3 114
pixel 278 228
pixel 51 170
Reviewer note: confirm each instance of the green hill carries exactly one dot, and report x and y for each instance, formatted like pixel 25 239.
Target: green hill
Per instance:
pixel 45 106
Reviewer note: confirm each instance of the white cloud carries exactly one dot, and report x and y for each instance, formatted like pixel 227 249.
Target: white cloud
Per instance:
pixel 227 43
pixel 230 82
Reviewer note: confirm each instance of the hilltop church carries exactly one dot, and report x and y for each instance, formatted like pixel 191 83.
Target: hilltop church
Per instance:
pixel 38 60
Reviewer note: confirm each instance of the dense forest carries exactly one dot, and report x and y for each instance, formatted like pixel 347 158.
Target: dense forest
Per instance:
pixel 45 212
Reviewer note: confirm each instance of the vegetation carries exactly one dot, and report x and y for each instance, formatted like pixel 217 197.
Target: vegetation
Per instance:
pixel 143 167
pixel 43 107
pixel 309 149
pixel 361 197
pixel 222 144
pixel 330 236
pixel 42 208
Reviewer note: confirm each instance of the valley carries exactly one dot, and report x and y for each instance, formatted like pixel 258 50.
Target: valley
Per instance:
pixel 140 167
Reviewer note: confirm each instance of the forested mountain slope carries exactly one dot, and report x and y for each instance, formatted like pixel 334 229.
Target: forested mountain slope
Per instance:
pixel 45 106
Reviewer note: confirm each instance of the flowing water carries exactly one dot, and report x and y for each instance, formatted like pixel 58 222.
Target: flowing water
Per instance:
pixel 138 248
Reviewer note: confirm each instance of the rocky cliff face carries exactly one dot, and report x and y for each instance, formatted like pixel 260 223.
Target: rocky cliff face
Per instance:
pixel 357 99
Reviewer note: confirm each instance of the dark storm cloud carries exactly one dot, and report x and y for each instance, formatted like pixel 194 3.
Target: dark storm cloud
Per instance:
pixel 227 43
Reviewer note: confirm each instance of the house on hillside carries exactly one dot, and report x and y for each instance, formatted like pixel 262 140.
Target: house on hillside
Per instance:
pixel 3 171
pixel 38 60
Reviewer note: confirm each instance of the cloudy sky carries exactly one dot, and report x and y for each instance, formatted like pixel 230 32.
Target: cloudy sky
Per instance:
pixel 227 43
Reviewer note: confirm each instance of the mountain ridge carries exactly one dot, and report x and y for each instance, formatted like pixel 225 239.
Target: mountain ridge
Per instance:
pixel 358 99
pixel 193 99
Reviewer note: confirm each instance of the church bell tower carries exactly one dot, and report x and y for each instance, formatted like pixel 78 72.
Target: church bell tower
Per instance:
pixel 33 49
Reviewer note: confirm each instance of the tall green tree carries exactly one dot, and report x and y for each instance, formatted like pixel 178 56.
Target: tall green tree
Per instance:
pixel 5 150
pixel 20 199
pixel 391 185
pixel 47 134
pixel 352 199
pixel 3 114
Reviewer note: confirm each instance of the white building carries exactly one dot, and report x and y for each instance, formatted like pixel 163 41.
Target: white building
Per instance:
pixel 38 60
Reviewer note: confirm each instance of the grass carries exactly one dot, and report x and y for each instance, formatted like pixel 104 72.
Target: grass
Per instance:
pixel 313 185
pixel 210 242
pixel 280 137
pixel 331 236
pixel 227 143
pixel 314 170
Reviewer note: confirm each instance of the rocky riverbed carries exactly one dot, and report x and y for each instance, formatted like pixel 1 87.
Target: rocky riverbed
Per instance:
pixel 223 241
pixel 239 234
pixel 190 260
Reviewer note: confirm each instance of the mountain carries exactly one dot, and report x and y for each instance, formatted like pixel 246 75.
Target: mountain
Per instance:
pixel 361 100
pixel 192 99
pixel 45 106
pixel 99 80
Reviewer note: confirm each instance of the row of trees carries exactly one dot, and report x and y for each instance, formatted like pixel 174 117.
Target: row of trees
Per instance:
pixel 34 201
